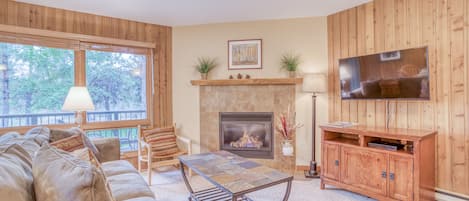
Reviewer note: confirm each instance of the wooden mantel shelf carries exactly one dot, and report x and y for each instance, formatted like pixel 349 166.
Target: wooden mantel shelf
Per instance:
pixel 234 82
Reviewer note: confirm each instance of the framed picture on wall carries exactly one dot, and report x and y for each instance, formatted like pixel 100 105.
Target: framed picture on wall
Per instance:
pixel 244 54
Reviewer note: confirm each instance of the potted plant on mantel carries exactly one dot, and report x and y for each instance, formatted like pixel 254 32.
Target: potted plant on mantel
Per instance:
pixel 290 63
pixel 205 65
pixel 287 127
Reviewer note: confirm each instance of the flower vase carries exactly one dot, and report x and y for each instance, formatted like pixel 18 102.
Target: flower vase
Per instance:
pixel 287 148
pixel 204 76
pixel 292 74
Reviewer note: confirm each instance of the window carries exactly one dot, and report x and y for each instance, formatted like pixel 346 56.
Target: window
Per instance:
pixel 117 85
pixel 37 72
pixel 34 83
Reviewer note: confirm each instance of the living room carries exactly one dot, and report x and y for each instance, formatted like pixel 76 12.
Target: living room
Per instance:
pixel 264 100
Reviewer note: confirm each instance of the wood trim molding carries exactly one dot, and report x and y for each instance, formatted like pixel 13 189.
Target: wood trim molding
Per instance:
pixel 74 36
pixel 234 82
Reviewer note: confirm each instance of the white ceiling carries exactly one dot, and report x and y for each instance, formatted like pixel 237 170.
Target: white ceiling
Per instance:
pixel 192 12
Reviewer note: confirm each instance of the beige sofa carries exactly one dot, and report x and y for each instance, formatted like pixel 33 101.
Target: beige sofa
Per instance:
pixel 17 154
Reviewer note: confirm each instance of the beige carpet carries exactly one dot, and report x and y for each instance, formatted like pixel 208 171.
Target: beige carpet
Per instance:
pixel 168 185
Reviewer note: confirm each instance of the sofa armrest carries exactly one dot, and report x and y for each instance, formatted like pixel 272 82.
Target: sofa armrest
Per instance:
pixel 109 149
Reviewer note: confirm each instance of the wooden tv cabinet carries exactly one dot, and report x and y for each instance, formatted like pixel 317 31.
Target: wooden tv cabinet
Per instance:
pixel 406 174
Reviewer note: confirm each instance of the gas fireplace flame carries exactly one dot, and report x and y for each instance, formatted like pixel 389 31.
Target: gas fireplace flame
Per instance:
pixel 247 141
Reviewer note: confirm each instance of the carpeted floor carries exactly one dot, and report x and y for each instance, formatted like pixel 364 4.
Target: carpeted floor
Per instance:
pixel 168 185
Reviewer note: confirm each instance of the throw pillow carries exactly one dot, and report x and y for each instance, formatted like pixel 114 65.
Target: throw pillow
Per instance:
pixel 58 134
pixel 85 154
pixel 162 141
pixel 389 88
pixel 59 176
pixel 70 144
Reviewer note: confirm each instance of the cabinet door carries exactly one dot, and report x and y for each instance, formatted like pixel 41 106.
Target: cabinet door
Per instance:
pixel 400 177
pixel 364 169
pixel 330 167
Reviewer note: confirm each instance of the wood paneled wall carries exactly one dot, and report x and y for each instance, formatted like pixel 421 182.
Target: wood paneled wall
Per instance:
pixel 40 17
pixel 383 25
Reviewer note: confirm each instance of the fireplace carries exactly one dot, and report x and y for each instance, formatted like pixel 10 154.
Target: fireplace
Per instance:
pixel 247 134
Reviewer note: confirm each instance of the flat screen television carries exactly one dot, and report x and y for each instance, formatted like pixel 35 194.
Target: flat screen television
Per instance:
pixel 401 74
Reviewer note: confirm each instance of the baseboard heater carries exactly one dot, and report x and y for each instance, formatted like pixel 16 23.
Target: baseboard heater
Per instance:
pixel 442 195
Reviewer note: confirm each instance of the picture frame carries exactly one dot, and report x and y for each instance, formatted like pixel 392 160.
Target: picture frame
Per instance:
pixel 390 56
pixel 245 54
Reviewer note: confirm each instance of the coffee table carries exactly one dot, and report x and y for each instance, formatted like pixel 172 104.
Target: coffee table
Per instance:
pixel 233 176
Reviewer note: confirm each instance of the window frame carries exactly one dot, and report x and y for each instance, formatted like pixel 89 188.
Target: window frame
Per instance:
pixel 79 48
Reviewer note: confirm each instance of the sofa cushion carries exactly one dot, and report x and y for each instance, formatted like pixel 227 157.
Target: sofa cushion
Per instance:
pixel 129 186
pixel 15 173
pixel 112 168
pixel 28 144
pixel 8 136
pixel 38 134
pixel 60 176
pixel 70 144
pixel 58 134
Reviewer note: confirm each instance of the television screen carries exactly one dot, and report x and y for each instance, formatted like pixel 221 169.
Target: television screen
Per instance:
pixel 401 74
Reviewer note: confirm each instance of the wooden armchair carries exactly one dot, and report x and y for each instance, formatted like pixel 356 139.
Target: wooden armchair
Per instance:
pixel 160 147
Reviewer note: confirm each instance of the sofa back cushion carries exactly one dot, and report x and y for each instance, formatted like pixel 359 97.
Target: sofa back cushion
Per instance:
pixel 38 134
pixel 60 176
pixel 15 173
pixel 8 136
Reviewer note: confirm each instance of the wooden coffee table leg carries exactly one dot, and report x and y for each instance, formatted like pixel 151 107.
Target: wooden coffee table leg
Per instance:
pixel 287 193
pixel 186 181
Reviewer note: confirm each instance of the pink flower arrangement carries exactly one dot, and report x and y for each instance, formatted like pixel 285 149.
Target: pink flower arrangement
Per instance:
pixel 286 125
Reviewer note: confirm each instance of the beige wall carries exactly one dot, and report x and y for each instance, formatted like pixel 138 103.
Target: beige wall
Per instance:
pixel 306 37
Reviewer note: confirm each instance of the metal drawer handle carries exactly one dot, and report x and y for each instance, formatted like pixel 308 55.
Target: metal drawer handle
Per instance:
pixel 384 174
pixel 336 162
pixel 391 176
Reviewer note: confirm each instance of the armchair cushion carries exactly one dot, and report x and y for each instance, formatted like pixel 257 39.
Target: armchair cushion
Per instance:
pixel 162 141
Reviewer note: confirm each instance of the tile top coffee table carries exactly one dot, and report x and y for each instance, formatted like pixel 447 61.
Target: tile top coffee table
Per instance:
pixel 232 175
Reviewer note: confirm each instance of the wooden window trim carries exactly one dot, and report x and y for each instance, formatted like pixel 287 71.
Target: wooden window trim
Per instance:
pixel 73 36
pixel 80 73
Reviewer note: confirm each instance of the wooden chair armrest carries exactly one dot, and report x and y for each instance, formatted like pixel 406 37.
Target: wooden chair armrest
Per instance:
pixel 187 142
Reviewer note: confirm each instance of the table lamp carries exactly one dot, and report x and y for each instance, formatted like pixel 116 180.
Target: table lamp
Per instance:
pixel 78 100
pixel 314 83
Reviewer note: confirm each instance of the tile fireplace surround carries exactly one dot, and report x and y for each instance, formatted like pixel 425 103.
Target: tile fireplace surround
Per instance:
pixel 246 98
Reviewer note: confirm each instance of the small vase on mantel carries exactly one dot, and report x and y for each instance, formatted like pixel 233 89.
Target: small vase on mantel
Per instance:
pixel 203 76
pixel 287 148
pixel 292 74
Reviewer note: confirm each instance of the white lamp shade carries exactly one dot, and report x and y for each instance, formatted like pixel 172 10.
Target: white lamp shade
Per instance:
pixel 315 83
pixel 78 99
pixel 3 67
